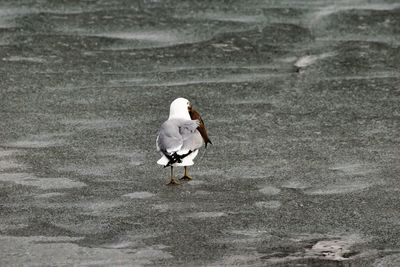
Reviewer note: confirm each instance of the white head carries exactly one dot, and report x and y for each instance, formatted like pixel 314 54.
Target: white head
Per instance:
pixel 179 109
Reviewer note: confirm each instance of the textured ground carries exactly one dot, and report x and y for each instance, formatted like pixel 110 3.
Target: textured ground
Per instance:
pixel 302 102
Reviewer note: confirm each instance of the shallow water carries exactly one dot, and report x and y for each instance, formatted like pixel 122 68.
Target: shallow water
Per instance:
pixel 301 99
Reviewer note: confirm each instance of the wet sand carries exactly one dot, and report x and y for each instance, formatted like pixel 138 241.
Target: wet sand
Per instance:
pixel 301 99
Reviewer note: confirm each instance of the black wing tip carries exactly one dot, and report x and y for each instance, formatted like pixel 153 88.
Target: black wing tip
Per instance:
pixel 175 158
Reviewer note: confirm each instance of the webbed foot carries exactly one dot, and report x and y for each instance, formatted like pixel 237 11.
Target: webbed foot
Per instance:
pixel 173 181
pixel 186 178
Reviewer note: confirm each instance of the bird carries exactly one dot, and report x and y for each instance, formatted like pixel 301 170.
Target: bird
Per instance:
pixel 180 138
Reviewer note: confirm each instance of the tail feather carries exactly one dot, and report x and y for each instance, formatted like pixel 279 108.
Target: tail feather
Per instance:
pixel 207 142
pixel 194 115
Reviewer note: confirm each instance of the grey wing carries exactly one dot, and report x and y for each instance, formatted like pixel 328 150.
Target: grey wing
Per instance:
pixel 192 139
pixel 169 139
pixel 173 133
pixel 187 126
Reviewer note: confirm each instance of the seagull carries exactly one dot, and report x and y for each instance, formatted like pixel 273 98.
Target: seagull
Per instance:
pixel 180 138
